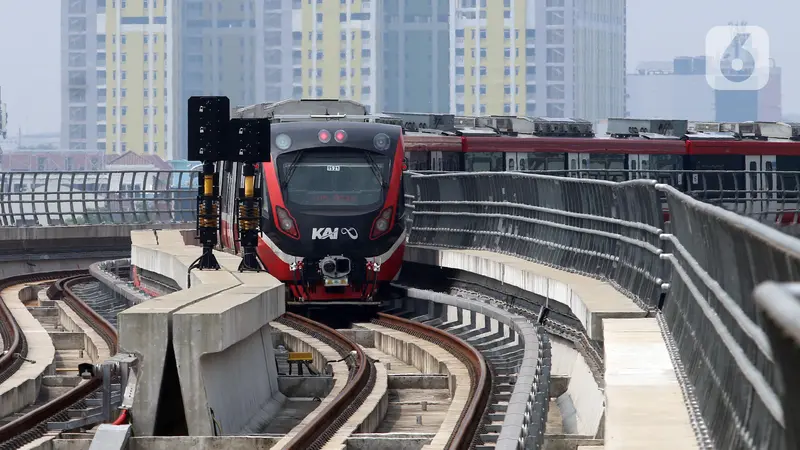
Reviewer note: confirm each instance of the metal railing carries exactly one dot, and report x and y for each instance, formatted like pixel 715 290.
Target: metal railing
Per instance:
pixel 699 277
pixel 779 305
pixel 768 196
pixel 90 198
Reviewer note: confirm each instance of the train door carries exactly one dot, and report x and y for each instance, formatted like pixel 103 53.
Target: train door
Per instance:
pixel 638 166
pixel 760 185
pixel 573 164
pixel 436 161
pixel 583 166
pixel 516 161
pixel 522 161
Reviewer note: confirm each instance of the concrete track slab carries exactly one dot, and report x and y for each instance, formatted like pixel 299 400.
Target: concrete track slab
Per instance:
pixel 22 388
pixel 641 385
pixel 428 358
pixel 589 299
pixel 95 347
pixel 322 355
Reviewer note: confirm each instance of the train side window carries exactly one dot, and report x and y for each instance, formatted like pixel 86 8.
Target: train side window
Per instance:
pixel 633 165
pixel 573 164
pixel 451 161
pixel 484 162
pixel 419 161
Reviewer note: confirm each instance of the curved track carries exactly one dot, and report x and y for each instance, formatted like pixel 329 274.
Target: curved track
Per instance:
pixel 362 379
pixel 33 424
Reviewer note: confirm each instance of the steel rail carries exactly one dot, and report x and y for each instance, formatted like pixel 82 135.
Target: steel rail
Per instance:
pixel 330 419
pixel 472 416
pixel 95 320
pixel 61 289
pixel 15 346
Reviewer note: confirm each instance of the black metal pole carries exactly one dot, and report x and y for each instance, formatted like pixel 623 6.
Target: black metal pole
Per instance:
pixel 249 218
pixel 208 218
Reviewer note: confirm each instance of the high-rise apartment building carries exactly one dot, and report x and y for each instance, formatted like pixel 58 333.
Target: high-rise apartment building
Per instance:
pixel 336 50
pixel 83 74
pixel 137 86
pixel 559 58
pixel 238 48
pixel 415 72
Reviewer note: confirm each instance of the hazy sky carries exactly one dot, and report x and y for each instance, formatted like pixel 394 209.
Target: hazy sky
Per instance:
pixel 29 46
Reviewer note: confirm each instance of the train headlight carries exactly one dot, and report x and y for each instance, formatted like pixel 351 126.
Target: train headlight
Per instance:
pixel 286 222
pixel 283 141
pixel 381 225
pixel 381 141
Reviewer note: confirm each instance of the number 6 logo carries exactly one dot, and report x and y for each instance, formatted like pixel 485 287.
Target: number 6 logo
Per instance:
pixel 737 58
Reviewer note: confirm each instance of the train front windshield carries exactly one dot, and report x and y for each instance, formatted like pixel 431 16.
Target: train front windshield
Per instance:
pixel 341 179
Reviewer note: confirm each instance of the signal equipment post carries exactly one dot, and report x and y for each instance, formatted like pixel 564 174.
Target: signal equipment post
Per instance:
pixel 209 119
pixel 251 141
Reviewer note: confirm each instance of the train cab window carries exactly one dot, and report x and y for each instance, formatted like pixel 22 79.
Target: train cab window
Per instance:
pixel 343 179
pixel 484 162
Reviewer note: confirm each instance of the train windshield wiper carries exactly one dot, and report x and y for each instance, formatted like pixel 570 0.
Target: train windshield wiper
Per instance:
pixel 292 167
pixel 376 169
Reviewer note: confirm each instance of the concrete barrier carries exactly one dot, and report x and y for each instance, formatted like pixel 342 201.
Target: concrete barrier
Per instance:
pixel 69 242
pixel 207 347
pixel 590 300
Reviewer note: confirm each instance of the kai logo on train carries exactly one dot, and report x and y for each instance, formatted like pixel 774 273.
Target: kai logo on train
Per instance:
pixel 333 233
